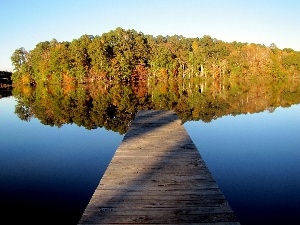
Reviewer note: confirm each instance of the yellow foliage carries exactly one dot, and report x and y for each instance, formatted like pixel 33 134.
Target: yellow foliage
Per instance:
pixel 26 90
pixel 25 79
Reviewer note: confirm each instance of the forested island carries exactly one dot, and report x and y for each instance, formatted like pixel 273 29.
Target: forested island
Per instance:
pixel 102 81
pixel 128 55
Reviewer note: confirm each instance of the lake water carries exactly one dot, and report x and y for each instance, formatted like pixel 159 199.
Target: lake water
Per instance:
pixel 49 173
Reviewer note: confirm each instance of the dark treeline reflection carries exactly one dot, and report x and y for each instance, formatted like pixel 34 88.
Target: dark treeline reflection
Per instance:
pixel 5 91
pixel 113 105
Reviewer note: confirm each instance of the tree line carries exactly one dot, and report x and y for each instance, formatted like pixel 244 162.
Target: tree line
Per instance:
pixel 128 55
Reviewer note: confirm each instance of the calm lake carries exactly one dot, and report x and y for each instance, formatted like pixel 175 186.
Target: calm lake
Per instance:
pixel 51 162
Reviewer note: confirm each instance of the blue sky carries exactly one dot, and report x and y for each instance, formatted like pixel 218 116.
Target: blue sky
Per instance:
pixel 25 23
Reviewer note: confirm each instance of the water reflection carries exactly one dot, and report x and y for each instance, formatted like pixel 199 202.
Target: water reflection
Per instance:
pixel 113 105
pixel 48 174
pixel 52 165
pixel 255 160
pixel 5 90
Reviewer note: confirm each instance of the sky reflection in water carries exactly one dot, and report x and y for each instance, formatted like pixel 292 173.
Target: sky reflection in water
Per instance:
pixel 54 171
pixel 48 170
pixel 255 160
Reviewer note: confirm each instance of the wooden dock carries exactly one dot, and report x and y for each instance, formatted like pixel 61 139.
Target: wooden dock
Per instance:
pixel 157 176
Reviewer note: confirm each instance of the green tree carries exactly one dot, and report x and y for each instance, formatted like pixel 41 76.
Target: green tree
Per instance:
pixel 291 61
pixel 39 61
pixel 59 64
pixel 18 58
pixel 80 61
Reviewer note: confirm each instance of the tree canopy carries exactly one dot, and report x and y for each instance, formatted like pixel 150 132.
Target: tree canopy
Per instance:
pixel 125 55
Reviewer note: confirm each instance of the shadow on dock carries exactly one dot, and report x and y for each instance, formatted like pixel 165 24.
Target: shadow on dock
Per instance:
pixel 157 176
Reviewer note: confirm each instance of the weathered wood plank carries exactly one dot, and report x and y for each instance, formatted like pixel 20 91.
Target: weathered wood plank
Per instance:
pixel 157 176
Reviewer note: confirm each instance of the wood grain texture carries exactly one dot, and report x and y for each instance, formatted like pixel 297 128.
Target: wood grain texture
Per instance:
pixel 157 176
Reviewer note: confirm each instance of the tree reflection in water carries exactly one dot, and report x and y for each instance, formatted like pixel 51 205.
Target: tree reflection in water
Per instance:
pixel 113 105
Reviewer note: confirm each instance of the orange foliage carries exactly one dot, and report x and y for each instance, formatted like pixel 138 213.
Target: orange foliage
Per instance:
pixel 138 81
pixel 139 73
pixel 66 79
pixel 68 88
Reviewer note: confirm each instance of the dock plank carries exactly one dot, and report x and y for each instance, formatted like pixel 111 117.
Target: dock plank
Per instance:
pixel 157 176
